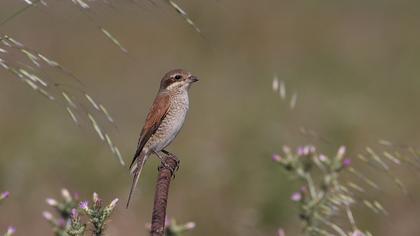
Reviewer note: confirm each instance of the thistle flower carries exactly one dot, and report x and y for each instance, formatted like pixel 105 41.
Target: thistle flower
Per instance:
pixel 305 150
pixel 47 215
pixel 10 231
pixel 296 196
pixel 95 197
pixel 69 220
pixel 275 85
pixel 346 162
pixel 113 203
pixel 341 152
pixel 323 158
pixel 4 195
pixel 357 233
pixel 190 225
pixel 52 202
pixel 61 223
pixel 280 232
pixel 319 198
pixel 84 205
pixel 300 151
pixel 276 158
pixel 97 202
pixel 172 228
pixel 66 195
pixel 74 213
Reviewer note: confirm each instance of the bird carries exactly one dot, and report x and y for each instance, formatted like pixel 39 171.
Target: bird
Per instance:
pixel 163 122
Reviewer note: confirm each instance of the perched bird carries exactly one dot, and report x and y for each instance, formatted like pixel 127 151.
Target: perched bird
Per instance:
pixel 165 119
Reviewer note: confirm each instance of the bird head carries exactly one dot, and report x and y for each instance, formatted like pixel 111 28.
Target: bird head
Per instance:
pixel 177 80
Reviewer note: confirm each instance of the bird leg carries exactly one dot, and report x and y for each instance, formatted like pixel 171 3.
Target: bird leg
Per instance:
pixel 163 161
pixel 174 157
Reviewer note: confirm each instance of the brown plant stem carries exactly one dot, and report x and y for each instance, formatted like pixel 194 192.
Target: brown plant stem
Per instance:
pixel 166 171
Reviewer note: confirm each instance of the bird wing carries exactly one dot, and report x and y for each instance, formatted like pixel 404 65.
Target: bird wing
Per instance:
pixel 156 114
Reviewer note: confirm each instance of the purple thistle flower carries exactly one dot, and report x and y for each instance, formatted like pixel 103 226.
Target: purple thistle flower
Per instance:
pixel 61 223
pixel 74 213
pixel 189 225
pixel 276 157
pixel 51 202
pixel 323 158
pixel 280 232
pixel 305 150
pixel 341 151
pixel 357 233
pixel 311 149
pixel 98 203
pixel 296 196
pixel 300 151
pixel 113 203
pixel 347 162
pixel 47 215
pixel 84 205
pixel 95 197
pixel 66 195
pixel 168 221
pixel 11 230
pixel 4 195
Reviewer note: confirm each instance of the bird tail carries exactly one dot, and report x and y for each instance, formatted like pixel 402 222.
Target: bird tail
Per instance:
pixel 135 170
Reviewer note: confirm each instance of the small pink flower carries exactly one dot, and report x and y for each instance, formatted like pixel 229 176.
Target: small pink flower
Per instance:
pixel 61 223
pixel 11 230
pixel 276 158
pixel 51 202
pixel 84 205
pixel 168 221
pixel 341 151
pixel 47 215
pixel 347 162
pixel 95 197
pixel 189 225
pixel 4 195
pixel 323 158
pixel 305 150
pixel 301 151
pixel 357 233
pixel 280 232
pixel 113 203
pixel 74 213
pixel 66 195
pixel 296 196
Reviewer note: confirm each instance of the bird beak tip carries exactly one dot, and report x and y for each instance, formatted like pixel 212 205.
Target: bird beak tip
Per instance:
pixel 193 79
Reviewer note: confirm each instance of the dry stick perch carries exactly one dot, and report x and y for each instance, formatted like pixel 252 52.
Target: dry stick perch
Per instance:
pixel 166 171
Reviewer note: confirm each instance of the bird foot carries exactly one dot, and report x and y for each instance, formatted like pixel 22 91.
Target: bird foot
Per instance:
pixel 163 161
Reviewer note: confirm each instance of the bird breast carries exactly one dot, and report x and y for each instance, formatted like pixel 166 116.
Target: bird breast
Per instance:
pixel 173 121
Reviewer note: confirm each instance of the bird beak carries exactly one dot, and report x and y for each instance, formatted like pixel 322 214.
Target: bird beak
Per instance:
pixel 192 79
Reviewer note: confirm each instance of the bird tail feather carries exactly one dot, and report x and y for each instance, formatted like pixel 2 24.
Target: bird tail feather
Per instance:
pixel 136 172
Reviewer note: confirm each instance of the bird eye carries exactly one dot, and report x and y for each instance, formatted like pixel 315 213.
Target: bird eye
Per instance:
pixel 178 77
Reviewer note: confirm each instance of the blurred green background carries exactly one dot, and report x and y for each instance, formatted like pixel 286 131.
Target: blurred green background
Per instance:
pixel 354 65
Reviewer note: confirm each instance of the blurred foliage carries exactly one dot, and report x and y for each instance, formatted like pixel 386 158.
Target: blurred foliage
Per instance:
pixel 352 64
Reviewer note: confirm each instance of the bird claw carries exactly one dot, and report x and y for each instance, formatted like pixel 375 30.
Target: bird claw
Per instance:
pixel 166 166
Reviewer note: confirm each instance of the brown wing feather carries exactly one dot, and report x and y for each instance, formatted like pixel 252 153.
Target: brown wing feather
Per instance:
pixel 153 120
